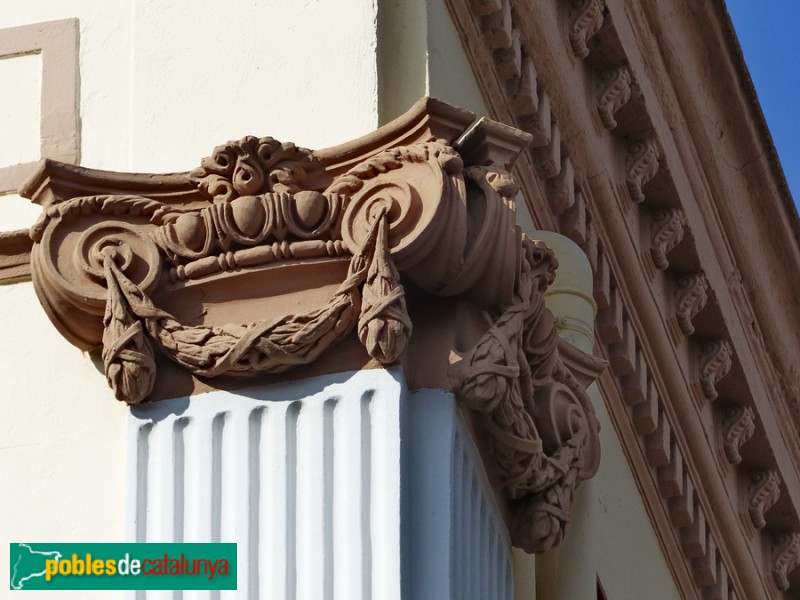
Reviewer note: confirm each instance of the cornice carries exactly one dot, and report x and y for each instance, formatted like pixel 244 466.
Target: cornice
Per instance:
pixel 317 249
pixel 670 313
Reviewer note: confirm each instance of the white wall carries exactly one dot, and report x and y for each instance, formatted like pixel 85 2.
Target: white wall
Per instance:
pixel 163 83
pixel 62 434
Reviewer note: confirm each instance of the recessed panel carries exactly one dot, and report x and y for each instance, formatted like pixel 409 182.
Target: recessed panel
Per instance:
pixel 20 108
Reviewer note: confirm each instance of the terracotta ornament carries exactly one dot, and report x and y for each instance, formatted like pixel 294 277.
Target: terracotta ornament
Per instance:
pixel 614 92
pixel 586 20
pixel 715 363
pixel 763 493
pixel 785 558
pixel 740 427
pixel 425 201
pixel 641 165
pixel 690 298
pixel 667 232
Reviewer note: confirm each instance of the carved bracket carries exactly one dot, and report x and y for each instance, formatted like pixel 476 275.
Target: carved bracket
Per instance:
pixel 667 232
pixel 426 200
pixel 542 426
pixel 715 362
pixel 586 20
pixel 641 165
pixel 785 558
pixel 763 493
pixel 690 296
pixel 614 91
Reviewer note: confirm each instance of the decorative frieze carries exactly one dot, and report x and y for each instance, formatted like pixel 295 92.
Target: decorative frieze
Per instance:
pixel 586 19
pixel 785 558
pixel 739 428
pixel 762 494
pixel 614 91
pixel 641 165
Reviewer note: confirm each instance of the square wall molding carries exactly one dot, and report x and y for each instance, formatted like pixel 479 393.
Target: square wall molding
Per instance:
pixel 57 43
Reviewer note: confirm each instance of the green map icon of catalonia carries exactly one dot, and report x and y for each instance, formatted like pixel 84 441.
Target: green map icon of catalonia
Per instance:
pixel 27 563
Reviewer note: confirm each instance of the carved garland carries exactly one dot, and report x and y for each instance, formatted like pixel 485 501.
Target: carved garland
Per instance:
pixel 99 262
pixel 267 346
pixel 514 376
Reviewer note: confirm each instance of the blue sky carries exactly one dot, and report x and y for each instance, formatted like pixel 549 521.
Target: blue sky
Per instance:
pixel 768 32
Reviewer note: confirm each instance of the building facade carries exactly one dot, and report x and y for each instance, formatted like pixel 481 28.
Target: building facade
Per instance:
pixel 521 325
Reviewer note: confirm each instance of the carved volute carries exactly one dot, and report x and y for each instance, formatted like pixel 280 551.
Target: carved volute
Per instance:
pixel 267 256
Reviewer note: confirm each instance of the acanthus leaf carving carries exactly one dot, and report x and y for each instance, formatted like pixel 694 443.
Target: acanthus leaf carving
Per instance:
pixel 715 363
pixel 785 558
pixel 739 428
pixel 253 166
pixel 667 232
pixel 585 21
pixel 641 165
pixel 690 298
pixel 614 91
pixel 763 493
pixel 544 431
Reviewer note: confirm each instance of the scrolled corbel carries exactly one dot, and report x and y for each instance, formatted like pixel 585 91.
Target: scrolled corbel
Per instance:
pixel 427 200
pixel 543 431
pixel 586 19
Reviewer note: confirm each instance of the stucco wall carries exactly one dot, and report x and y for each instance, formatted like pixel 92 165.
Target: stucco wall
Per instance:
pixel 61 438
pixel 161 84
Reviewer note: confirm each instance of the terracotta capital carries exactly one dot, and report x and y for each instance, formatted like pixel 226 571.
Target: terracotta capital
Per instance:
pixel 268 255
